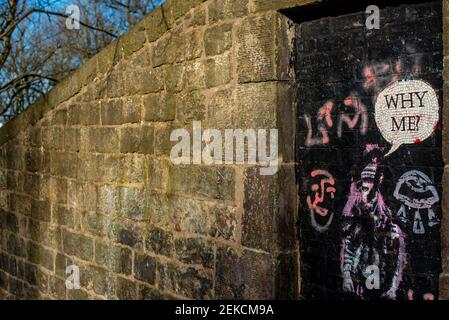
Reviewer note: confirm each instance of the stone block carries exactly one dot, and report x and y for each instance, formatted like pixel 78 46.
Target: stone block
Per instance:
pixel 218 39
pixel 247 275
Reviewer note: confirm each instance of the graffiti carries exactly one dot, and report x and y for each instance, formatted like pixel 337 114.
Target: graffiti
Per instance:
pixel 323 119
pixel 414 189
pixel 376 233
pixel 360 115
pixel 370 236
pixel 426 296
pixel 323 192
pixel 354 114
pixel 378 75
pixel 406 112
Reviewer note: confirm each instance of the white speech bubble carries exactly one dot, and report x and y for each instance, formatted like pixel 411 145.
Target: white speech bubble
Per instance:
pixel 406 112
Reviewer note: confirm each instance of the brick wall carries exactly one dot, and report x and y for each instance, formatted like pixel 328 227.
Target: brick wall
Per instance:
pixel 360 206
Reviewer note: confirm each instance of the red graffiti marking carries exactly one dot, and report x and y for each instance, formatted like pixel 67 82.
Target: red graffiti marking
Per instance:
pixel 361 115
pixel 374 72
pixel 355 114
pixel 378 75
pixel 324 118
pixel 321 190
pixel 427 296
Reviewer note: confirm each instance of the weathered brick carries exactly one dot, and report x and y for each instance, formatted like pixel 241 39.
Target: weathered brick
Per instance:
pixel 218 71
pixel 16 246
pixel 100 280
pixel 184 281
pixel 33 159
pixel 195 251
pixel 258 53
pixel 174 77
pixel 64 164
pixel 444 286
pixel 61 264
pixel 111 169
pixel 112 112
pixel 191 107
pixel 195 76
pixel 225 9
pixel 144 81
pixel 159 242
pixel 31 185
pixel 145 268
pixel 164 50
pixel 162 143
pixel 64 216
pixel 59 117
pixel 35 277
pixel 158 174
pixel 198 17
pixel 218 39
pixel 115 258
pixel 224 222
pixel 58 189
pixel 78 245
pixel 108 200
pixel 95 224
pixel 134 39
pixel 159 107
pixel 263 5
pixel 130 139
pixel 52 138
pixel 191 46
pixel 104 140
pixel 89 165
pixel 148 293
pixel 72 139
pixel 126 289
pixel 147 140
pixel 155 25
pixel 141 59
pixel 57 287
pixel 217 183
pixel 42 256
pixel 133 169
pixel 40 210
pixel 45 233
pixel 248 275
pixel 132 203
pixel 126 233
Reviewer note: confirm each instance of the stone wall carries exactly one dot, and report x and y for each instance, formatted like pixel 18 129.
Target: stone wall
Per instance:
pixel 86 178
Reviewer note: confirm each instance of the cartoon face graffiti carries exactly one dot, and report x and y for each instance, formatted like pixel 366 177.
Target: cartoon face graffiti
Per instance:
pixel 368 182
pixel 416 190
pixel 320 202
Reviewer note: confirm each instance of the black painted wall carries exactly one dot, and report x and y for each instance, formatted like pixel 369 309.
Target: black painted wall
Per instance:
pixel 341 68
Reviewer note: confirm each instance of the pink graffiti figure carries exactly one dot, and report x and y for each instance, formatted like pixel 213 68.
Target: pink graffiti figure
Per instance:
pixel 324 118
pixel 325 188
